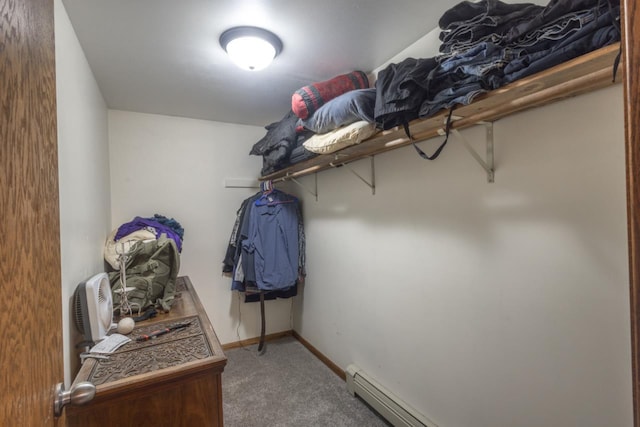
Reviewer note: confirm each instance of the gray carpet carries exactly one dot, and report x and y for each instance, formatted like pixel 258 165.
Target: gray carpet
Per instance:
pixel 288 386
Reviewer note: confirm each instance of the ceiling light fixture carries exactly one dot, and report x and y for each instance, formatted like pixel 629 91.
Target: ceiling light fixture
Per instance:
pixel 251 48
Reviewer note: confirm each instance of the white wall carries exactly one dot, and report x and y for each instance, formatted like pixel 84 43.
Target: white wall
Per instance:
pixel 481 304
pixel 177 167
pixel 83 163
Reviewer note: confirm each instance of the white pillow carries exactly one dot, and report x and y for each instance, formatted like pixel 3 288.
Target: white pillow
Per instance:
pixel 340 138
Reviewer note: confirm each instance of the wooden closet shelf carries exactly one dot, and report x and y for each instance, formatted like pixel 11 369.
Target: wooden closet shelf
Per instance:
pixel 577 76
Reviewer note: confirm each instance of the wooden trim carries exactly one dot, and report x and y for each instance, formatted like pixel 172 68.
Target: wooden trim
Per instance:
pixel 630 42
pixel 205 323
pixel 271 337
pixel 324 359
pixel 256 340
pixel 31 317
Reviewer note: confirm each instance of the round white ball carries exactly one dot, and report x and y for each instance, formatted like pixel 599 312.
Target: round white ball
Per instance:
pixel 125 325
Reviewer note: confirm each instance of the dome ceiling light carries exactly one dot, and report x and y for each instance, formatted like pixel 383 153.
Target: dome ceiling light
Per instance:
pixel 251 48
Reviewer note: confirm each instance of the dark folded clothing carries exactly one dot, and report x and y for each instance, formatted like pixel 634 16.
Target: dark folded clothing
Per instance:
pixel 400 91
pixel 487 44
pixel 300 154
pixel 596 34
pixel 468 23
pixel 553 11
pixel 287 154
pixel 279 134
pixel 275 160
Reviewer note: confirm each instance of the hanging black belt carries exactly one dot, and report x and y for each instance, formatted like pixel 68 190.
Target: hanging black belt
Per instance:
pixel 262 324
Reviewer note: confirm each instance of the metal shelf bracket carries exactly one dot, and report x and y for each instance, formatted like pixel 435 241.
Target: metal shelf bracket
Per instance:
pixel 487 163
pixel 314 193
pixel 371 183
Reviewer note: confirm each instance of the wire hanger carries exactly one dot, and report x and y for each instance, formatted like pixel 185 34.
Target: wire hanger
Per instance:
pixel 266 186
pixel 269 193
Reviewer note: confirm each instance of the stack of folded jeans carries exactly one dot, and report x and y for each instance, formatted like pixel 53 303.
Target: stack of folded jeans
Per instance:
pixel 468 23
pixel 458 79
pixel 521 39
pixel 488 44
pixel 579 27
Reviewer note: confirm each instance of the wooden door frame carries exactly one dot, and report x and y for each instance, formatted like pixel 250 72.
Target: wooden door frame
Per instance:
pixel 31 317
pixel 630 43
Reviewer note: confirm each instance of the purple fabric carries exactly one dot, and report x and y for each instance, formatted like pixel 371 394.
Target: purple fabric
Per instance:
pixel 139 223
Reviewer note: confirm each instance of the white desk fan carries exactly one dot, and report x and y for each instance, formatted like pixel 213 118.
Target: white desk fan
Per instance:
pixel 93 308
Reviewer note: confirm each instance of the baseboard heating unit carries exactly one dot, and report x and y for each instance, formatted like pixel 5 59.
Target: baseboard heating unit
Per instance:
pixel 382 400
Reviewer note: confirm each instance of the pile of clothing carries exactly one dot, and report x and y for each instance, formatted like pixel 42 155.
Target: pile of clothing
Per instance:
pixel 316 109
pixel 145 256
pixel 488 44
pixel 484 45
pixel 121 239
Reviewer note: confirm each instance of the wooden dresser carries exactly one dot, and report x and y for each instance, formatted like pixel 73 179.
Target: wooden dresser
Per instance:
pixel 172 380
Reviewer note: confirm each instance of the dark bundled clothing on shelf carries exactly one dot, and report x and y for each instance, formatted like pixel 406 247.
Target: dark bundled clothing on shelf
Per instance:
pixel 300 154
pixel 400 91
pixel 277 146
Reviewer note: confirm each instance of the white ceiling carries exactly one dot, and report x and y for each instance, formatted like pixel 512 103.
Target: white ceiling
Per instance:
pixel 163 56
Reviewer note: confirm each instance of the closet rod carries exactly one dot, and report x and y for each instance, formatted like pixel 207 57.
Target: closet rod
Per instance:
pixel 241 183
